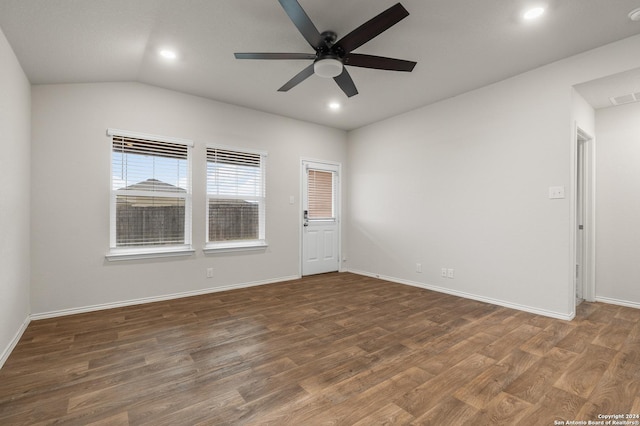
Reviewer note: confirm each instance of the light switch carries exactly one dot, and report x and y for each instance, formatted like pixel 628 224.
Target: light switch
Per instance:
pixel 556 192
pixel 291 199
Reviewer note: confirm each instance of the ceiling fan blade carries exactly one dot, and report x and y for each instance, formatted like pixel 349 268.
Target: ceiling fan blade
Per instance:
pixel 302 21
pixel 275 55
pixel 346 83
pixel 299 78
pixel 372 28
pixel 378 62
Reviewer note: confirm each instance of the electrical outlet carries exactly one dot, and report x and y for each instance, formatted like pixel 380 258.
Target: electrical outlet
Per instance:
pixel 450 273
pixel 443 272
pixel 209 272
pixel 418 267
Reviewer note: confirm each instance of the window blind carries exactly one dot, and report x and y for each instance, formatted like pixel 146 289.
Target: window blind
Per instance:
pixel 151 193
pixel 235 196
pixel 320 194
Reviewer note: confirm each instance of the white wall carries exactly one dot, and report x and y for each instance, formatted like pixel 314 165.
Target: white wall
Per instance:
pixel 583 113
pixel 15 128
pixel 71 160
pixel 618 204
pixel 463 184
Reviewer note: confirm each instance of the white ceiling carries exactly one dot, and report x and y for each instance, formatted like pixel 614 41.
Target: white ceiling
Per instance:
pixel 598 92
pixel 459 45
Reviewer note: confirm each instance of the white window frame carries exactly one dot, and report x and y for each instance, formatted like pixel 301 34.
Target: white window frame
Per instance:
pixel 249 245
pixel 147 252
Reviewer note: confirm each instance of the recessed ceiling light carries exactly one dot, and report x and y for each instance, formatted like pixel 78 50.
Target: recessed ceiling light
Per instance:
pixel 334 106
pixel 168 54
pixel 634 15
pixel 534 13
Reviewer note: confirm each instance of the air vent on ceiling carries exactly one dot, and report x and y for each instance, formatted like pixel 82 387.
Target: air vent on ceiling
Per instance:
pixel 625 99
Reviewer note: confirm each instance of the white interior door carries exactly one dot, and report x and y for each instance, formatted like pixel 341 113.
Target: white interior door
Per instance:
pixel 580 216
pixel 584 218
pixel 320 218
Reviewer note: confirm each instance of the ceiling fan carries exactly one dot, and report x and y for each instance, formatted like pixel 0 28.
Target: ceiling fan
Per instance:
pixel 331 56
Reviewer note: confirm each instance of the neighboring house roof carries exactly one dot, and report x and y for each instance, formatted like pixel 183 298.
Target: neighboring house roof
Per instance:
pixel 152 185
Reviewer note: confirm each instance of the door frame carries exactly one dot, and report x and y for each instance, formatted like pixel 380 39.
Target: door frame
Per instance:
pixel 589 231
pixel 304 161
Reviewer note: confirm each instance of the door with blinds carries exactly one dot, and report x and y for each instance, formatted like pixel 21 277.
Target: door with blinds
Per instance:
pixel 320 218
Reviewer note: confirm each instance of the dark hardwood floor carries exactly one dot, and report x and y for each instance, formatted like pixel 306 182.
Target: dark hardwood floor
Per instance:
pixel 330 349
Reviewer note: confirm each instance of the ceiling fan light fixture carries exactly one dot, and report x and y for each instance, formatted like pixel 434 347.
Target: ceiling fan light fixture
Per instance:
pixel 327 67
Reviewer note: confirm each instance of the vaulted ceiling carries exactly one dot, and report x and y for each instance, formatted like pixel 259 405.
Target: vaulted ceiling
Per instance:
pixel 459 45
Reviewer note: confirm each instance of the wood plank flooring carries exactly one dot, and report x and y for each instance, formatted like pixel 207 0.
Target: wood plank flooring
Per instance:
pixel 330 349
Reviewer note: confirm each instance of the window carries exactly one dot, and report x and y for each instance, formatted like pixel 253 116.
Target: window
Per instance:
pixel 150 195
pixel 320 193
pixel 235 199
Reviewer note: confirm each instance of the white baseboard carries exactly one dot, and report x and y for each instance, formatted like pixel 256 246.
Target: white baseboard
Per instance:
pixel 92 308
pixel 618 302
pixel 530 309
pixel 7 351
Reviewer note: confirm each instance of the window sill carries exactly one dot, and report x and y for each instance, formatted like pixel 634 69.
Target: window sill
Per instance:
pixel 136 254
pixel 234 247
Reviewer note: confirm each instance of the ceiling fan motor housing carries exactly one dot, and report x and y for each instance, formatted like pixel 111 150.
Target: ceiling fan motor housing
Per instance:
pixel 329 37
